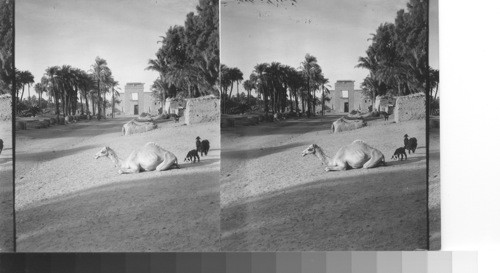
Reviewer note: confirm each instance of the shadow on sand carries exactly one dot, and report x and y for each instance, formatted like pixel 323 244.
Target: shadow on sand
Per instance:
pixel 257 152
pixel 411 159
pixel 47 156
pixel 171 212
pixel 363 213
pixel 203 162
pixel 293 126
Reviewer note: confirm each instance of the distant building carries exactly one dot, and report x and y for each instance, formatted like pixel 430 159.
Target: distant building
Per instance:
pixel 135 101
pixel 344 98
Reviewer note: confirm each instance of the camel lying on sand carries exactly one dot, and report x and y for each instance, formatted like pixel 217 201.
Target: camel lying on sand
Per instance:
pixel 134 127
pixel 343 124
pixel 355 155
pixel 148 158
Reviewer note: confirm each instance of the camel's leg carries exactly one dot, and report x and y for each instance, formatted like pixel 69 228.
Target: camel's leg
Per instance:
pixel 129 170
pixel 197 157
pixel 167 163
pixel 375 159
pixel 336 168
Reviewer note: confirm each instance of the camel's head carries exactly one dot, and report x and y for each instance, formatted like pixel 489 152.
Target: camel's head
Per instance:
pixel 310 150
pixel 198 138
pixel 103 152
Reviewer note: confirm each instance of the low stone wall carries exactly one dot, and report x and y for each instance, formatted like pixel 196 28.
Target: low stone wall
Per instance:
pixel 5 107
pixel 203 109
pixel 410 107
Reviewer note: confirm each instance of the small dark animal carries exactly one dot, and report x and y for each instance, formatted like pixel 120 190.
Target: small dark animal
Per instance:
pixel 176 118
pixel 410 144
pixel 399 153
pixel 192 156
pixel 202 146
pixel 1 146
pixel 385 114
pixel 205 146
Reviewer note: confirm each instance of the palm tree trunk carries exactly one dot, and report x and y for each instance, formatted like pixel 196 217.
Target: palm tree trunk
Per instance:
pixel 87 103
pixel 323 101
pixel 22 94
pixel 266 107
pixel 81 103
pixel 93 106
pixel 303 104
pixel 104 105
pixel 113 104
pixel 296 101
pixel 99 101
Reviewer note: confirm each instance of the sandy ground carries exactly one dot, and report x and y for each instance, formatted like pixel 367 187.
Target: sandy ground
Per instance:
pixel 6 189
pixel 434 191
pixel 273 199
pixel 68 201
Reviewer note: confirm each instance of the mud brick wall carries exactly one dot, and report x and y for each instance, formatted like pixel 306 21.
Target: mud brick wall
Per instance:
pixel 5 107
pixel 203 109
pixel 410 107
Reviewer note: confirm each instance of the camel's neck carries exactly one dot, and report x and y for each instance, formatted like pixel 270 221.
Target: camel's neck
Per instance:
pixel 322 156
pixel 112 155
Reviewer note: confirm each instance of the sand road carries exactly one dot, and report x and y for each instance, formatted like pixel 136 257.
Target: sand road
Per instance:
pixel 273 199
pixel 68 201
pixel 6 189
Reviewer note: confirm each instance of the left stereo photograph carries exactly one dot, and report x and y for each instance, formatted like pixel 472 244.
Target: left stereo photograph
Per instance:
pixel 117 126
pixel 6 144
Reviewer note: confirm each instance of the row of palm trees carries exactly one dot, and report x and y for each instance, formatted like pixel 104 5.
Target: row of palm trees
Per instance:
pixel 280 86
pixel 187 61
pixel 68 87
pixel 397 58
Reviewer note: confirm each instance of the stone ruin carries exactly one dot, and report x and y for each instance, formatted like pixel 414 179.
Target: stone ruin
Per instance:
pixel 202 109
pixel 5 107
pixel 410 107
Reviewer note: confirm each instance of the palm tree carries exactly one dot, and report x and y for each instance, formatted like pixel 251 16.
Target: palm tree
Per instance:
pixel 310 69
pixel 434 81
pixel 235 75
pixel 295 83
pixel 52 74
pixel 24 78
pixel 261 82
pixel 99 72
pixel 114 94
pixel 249 85
pixel 324 91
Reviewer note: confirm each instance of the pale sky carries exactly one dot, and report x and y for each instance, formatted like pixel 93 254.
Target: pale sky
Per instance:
pixel 335 32
pixel 74 32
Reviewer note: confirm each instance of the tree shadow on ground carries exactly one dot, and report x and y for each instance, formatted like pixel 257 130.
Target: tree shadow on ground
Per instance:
pixel 411 159
pixel 354 213
pixel 257 152
pixel 203 162
pixel 84 129
pixel 170 212
pixel 293 126
pixel 50 155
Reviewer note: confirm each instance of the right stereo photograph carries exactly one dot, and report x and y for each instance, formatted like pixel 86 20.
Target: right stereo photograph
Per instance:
pixel 329 125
